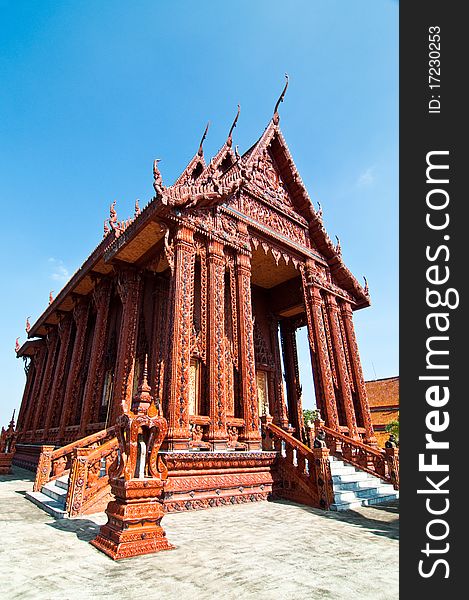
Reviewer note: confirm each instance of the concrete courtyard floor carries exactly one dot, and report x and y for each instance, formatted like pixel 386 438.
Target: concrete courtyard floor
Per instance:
pixel 265 550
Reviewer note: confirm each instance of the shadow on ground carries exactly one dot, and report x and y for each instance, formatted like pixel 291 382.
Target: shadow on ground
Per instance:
pixel 84 529
pixel 380 519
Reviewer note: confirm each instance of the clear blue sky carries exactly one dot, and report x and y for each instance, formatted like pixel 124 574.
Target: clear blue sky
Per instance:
pixel 92 92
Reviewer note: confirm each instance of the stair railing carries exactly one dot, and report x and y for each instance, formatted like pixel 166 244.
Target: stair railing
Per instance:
pixel 380 463
pixel 53 464
pixel 89 476
pixel 305 473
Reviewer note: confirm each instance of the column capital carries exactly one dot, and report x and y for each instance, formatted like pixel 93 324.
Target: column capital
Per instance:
pixel 100 293
pixel 215 249
pixel 184 235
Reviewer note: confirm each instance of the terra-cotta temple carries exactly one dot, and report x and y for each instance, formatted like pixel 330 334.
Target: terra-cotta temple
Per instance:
pixel 207 285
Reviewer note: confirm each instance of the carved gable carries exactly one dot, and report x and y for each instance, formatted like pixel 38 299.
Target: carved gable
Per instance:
pixel 266 178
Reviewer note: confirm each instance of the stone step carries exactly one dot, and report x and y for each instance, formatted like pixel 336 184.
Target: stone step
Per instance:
pixel 48 504
pixel 55 491
pixel 62 482
pixel 339 506
pixel 371 492
pixel 342 470
pixel 368 482
pixel 349 477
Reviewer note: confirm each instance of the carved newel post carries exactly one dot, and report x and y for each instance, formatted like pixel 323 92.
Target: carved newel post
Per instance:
pixel 137 482
pixel 7 447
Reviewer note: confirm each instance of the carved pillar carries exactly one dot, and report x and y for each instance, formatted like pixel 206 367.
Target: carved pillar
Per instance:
pixel 80 315
pixel 56 394
pixel 339 353
pixel 216 345
pixel 280 416
pixel 94 380
pixel 247 367
pixel 39 364
pixel 346 311
pixel 128 287
pixel 292 377
pixel 182 302
pixel 159 335
pixel 324 385
pixel 44 398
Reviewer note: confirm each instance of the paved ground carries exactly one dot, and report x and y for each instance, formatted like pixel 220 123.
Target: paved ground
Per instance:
pixel 266 550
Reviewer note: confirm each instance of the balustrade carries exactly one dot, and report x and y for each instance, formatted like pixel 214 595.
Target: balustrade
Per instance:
pixel 380 463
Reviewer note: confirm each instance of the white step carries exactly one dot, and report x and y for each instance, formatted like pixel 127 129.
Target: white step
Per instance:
pixel 364 502
pixel 54 491
pixel 354 488
pixel 48 504
pixel 371 492
pixel 62 482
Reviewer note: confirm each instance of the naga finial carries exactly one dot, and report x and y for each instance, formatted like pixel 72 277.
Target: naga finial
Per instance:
pixel 137 208
pixel 28 325
pixel 200 151
pixel 157 179
pixel 229 140
pixel 112 213
pixel 338 247
pixel 237 154
pixel 276 117
pixel 51 297
pixel 17 345
pixel 366 289
pixel 12 422
pixel 319 211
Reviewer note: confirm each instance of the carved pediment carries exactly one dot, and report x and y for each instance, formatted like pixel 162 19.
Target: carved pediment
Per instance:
pixel 266 179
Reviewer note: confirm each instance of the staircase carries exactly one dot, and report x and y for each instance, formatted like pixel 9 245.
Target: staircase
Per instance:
pixel 52 497
pixel 354 488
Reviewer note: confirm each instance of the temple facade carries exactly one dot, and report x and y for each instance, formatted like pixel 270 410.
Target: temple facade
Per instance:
pixel 209 282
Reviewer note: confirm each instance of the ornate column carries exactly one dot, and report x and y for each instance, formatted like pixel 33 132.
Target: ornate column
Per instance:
pixel 129 285
pixel 247 367
pixel 341 361
pixel 292 377
pixel 44 395
pixel 39 364
pixel 280 416
pixel 325 395
pixel 347 319
pixel 177 382
pixel 159 335
pixel 64 330
pixel 216 345
pixel 94 380
pixel 80 315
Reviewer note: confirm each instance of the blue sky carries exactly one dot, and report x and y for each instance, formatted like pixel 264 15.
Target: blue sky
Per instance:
pixel 92 92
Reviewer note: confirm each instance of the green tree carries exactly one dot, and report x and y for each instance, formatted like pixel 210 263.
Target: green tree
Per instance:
pixel 310 414
pixel 393 428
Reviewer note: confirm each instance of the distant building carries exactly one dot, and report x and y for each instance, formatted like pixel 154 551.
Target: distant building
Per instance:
pixel 383 397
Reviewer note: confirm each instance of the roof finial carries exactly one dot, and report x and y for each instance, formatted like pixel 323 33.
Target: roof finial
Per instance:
pixel 319 211
pixel 338 247
pixel 17 345
pixel 367 289
pixel 200 151
pixel 276 118
pixel 137 209
pixel 12 422
pixel 28 325
pixel 229 141
pixel 51 297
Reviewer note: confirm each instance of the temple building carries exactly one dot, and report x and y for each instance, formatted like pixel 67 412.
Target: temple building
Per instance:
pixel 210 282
pixel 383 397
